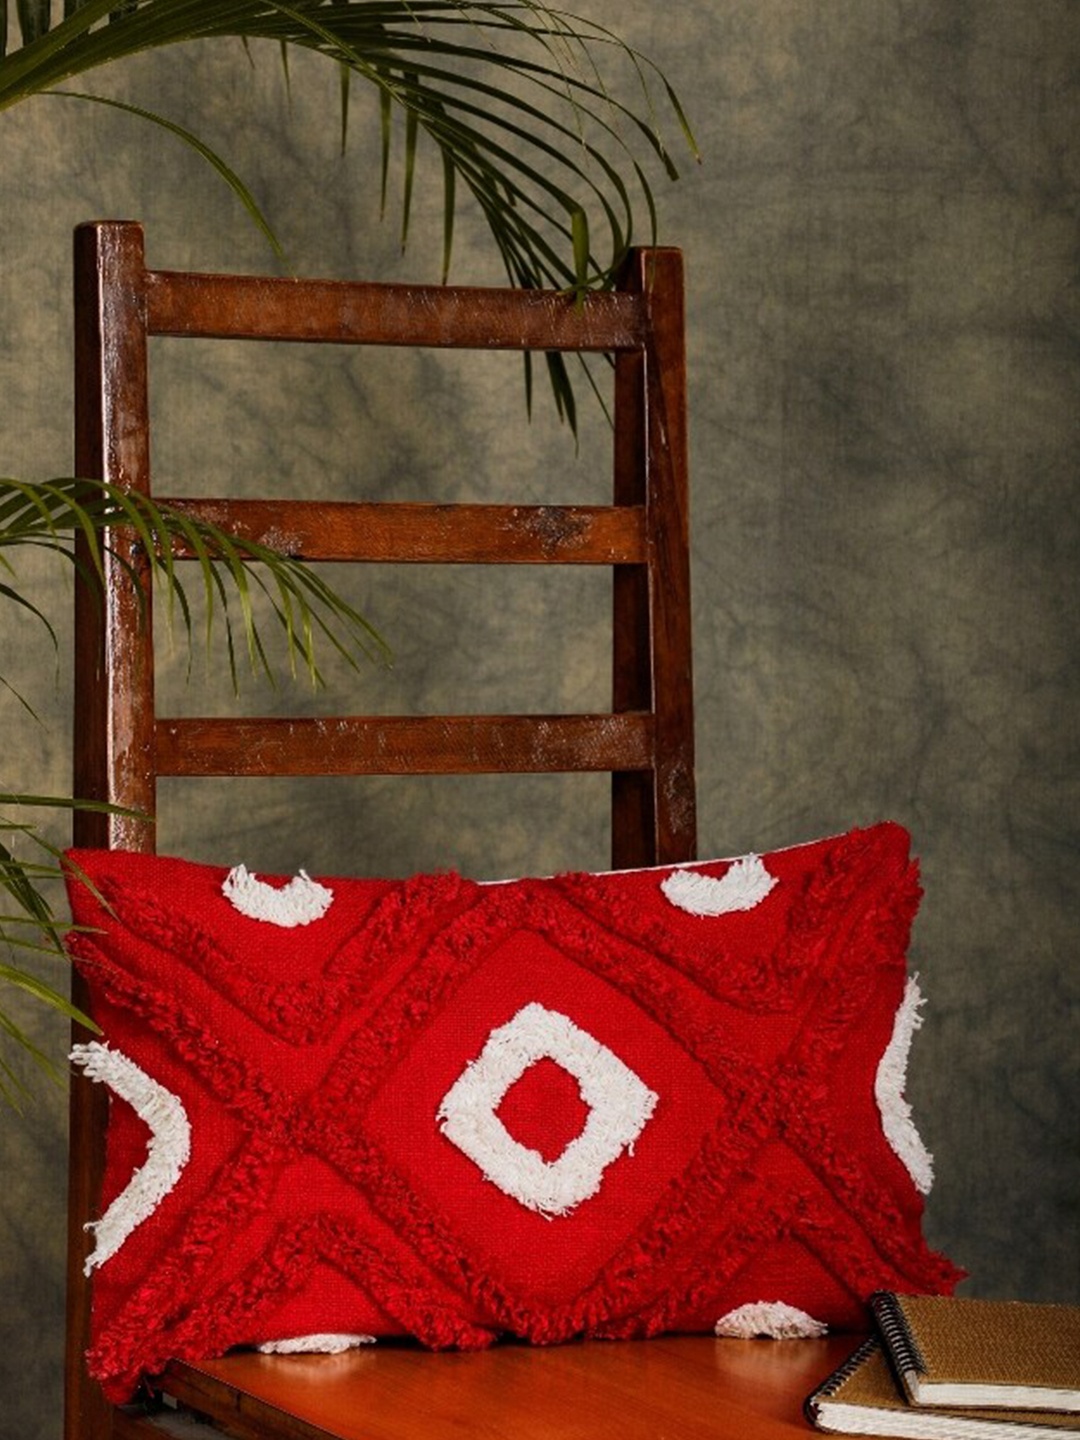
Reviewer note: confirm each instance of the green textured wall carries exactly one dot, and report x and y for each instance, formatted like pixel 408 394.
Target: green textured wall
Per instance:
pixel 882 249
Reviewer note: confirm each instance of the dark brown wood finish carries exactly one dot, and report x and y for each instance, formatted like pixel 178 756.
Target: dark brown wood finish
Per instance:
pixel 658 279
pixel 238 307
pixel 434 534
pixel 645 741
pixel 114 697
pixel 114 688
pixel 654 813
pixel 406 745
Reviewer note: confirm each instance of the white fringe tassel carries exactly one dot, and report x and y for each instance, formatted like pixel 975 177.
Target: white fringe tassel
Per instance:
pixel 889 1083
pixel 299 902
pixel 770 1319
pixel 742 886
pixel 315 1345
pixel 167 1152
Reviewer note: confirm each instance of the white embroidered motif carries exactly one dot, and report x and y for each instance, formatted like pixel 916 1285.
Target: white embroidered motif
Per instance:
pixel 315 1345
pixel 889 1082
pixel 620 1105
pixel 167 1152
pixel 299 902
pixel 771 1318
pixel 742 886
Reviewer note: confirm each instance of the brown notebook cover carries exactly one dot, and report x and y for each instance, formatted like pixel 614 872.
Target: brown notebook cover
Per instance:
pixel 1000 1353
pixel 862 1398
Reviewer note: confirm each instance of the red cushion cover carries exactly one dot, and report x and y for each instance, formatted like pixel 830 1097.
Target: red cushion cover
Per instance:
pixel 316 1064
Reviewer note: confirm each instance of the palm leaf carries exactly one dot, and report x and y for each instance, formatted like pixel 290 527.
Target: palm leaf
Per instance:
pixel 541 169
pixel 235 184
pixel 31 930
pixel 33 18
pixel 305 609
pixel 50 515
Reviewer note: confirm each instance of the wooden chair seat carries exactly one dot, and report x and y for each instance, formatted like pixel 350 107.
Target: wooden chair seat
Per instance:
pixel 679 1387
pixel 689 1386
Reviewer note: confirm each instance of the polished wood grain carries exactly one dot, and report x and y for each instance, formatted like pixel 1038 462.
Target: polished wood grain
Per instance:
pixel 655 816
pixel 241 307
pixel 406 745
pixel 123 744
pixel 114 695
pixel 670 1388
pixel 431 534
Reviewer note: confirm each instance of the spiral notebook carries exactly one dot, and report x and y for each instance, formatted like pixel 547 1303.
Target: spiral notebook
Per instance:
pixel 998 1353
pixel 862 1398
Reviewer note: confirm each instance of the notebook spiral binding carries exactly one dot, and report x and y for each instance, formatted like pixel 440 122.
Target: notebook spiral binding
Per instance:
pixel 838 1377
pixel 901 1346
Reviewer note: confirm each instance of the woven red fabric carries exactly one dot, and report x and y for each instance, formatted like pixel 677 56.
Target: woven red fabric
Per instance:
pixel 732 1141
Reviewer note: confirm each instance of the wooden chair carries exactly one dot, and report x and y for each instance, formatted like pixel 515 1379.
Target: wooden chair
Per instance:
pixel 684 1386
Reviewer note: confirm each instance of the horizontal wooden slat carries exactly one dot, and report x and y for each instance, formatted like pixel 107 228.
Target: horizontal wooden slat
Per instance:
pixel 242 307
pixel 466 534
pixel 400 745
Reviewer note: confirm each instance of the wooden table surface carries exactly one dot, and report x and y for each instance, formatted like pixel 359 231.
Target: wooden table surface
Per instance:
pixel 673 1388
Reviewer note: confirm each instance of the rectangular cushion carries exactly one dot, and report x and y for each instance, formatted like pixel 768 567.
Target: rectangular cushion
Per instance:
pixel 594 1104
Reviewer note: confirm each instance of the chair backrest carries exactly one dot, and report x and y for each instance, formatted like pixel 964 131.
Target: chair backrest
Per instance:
pixel 644 740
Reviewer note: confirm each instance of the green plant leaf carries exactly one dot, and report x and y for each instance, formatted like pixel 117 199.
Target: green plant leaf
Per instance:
pixel 449 210
pixel 305 609
pixel 536 113
pixel 32 985
pixel 51 515
pixel 426 56
pixel 34 19
pixel 21 880
pixel 386 119
pixel 235 184
pixel 412 136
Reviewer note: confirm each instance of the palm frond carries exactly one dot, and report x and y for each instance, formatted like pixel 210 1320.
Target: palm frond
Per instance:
pixel 515 98
pixel 227 173
pixel 307 612
pixel 310 616
pixel 32 929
